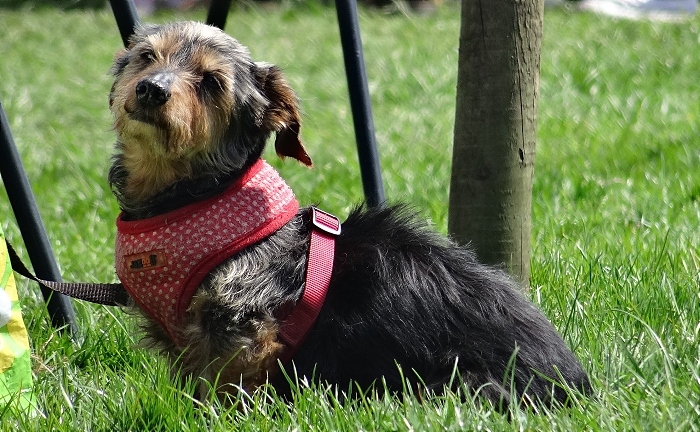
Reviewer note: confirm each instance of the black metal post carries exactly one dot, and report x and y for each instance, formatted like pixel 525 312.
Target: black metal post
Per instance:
pixel 218 12
pixel 360 102
pixel 127 19
pixel 32 229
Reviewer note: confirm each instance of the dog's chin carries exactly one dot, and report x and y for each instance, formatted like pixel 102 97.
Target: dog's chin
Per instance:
pixel 147 117
pixel 145 134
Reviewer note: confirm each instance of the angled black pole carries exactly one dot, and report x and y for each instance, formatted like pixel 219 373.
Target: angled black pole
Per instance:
pixel 127 19
pixel 218 12
pixel 360 102
pixel 32 229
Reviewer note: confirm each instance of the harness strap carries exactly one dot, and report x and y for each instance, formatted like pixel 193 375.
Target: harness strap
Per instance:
pixel 319 268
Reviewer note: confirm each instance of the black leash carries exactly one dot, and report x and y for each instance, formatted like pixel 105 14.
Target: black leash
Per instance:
pixel 112 294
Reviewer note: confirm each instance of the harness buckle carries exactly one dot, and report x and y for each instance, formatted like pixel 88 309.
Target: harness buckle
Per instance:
pixel 325 222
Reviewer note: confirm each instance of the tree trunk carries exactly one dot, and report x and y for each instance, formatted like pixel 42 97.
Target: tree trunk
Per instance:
pixel 495 127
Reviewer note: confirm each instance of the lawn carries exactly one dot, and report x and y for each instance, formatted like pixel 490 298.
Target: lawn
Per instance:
pixel 616 209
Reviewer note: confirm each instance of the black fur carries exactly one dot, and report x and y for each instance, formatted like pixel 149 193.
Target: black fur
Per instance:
pixel 402 295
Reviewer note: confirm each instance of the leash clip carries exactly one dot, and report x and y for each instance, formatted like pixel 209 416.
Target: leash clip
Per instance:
pixel 325 222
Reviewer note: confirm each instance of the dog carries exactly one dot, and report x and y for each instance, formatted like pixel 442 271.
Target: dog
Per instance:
pixel 404 307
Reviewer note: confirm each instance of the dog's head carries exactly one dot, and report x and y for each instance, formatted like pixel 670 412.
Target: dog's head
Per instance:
pixel 187 101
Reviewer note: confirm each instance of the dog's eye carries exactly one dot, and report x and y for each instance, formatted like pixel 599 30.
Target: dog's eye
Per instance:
pixel 147 57
pixel 210 81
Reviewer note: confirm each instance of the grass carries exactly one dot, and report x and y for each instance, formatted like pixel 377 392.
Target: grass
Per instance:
pixel 616 209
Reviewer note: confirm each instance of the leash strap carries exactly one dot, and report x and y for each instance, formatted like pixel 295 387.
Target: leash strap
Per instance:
pixel 104 294
pixel 319 268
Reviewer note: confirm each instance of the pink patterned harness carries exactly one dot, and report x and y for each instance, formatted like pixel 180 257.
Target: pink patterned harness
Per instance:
pixel 162 260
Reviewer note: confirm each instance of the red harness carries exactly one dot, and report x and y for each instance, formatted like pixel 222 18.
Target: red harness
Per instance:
pixel 162 260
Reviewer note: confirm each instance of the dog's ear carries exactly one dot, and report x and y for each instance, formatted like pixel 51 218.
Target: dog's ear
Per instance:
pixel 282 113
pixel 121 59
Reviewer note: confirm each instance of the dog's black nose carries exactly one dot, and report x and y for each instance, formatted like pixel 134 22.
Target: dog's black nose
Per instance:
pixel 155 90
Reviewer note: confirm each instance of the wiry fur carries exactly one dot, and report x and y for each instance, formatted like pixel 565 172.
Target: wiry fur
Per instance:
pixel 403 301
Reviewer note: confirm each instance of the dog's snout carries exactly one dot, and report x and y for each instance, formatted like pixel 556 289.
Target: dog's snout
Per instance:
pixel 155 90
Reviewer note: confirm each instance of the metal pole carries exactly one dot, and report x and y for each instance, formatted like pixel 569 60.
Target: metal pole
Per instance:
pixel 32 229
pixel 218 12
pixel 360 102
pixel 127 19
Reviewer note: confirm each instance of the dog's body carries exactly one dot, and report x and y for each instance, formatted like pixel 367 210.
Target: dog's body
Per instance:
pixel 193 113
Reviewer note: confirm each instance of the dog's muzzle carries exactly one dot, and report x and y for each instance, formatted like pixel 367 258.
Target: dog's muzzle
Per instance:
pixel 154 91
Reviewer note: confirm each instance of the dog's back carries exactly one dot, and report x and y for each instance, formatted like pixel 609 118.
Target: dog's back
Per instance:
pixel 408 304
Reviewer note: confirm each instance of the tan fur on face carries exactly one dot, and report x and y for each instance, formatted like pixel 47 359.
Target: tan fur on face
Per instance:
pixel 159 153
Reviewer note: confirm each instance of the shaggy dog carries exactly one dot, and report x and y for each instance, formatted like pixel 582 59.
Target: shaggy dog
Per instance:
pixel 213 247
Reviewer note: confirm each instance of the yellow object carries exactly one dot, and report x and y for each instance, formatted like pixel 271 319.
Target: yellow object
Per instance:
pixel 15 366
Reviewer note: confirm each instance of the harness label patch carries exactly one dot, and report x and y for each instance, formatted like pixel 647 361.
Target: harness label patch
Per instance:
pixel 145 260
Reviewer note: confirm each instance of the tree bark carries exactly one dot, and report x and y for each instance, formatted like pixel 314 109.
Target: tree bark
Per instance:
pixel 495 127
